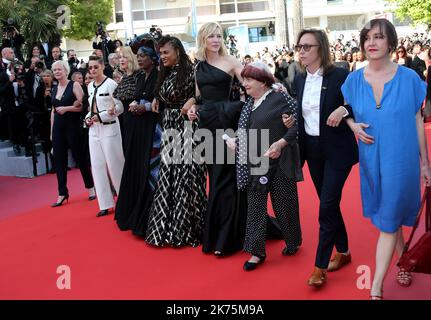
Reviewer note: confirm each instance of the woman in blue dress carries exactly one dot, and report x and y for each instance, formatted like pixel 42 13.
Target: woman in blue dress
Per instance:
pixel 386 101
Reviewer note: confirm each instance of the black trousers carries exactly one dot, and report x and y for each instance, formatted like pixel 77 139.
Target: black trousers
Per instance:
pixel 65 136
pixel 328 181
pixel 4 126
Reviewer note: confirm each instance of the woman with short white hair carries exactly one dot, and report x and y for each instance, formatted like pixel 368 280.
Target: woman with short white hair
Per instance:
pixel 66 124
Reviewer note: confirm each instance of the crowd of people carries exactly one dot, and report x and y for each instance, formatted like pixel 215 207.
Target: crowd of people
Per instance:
pixel 137 117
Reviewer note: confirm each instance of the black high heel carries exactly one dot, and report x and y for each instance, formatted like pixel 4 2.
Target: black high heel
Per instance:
pixel 57 204
pixel 249 266
pixel 102 213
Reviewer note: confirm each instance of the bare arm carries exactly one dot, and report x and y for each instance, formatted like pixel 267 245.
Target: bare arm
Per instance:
pixel 358 130
pixel 52 122
pixel 237 68
pixel 79 94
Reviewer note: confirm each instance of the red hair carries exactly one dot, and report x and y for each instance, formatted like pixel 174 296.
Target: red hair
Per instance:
pixel 259 74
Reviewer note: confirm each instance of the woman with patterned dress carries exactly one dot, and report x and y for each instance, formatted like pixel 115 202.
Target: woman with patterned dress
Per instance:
pixel 176 215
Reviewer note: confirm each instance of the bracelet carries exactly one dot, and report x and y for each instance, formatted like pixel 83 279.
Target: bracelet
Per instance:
pixel 198 100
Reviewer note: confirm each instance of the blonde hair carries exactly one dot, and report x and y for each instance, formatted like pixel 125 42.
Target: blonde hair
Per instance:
pixel 64 64
pixel 48 72
pixel 132 61
pixel 204 32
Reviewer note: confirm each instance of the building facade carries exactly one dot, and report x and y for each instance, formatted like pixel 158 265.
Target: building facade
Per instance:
pixel 257 17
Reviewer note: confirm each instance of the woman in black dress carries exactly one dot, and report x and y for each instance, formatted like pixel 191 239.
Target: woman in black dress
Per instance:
pixel 126 89
pixel 227 207
pixel 142 135
pixel 177 213
pixel 66 124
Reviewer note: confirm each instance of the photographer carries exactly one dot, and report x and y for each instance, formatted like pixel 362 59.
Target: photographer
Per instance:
pixel 103 42
pixel 231 44
pixel 33 78
pixel 42 117
pixel 13 101
pixel 12 38
pixel 73 62
pixel 36 114
pixel 7 99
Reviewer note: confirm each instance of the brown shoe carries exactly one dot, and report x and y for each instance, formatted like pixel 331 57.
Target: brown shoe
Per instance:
pixel 317 278
pixel 338 261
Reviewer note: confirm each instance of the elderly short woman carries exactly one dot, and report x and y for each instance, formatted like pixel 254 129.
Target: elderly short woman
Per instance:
pixel 263 114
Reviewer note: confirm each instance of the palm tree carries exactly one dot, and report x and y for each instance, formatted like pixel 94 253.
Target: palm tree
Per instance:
pixel 298 17
pixel 36 20
pixel 281 27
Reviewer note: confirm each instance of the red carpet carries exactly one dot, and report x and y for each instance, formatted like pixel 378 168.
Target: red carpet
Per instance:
pixel 106 263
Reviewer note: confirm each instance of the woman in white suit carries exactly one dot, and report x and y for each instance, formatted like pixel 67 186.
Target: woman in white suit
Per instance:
pixel 106 151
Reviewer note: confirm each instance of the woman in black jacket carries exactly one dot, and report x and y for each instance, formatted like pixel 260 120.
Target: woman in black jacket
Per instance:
pixel 278 168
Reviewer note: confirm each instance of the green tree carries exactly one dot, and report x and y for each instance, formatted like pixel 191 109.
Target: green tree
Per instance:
pixel 85 14
pixel 419 11
pixel 36 20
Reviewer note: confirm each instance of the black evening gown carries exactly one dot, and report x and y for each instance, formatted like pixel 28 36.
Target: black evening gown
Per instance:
pixel 141 153
pixel 226 215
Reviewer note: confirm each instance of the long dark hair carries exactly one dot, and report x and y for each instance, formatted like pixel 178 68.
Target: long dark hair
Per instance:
pixel 324 49
pixel 184 63
pixel 30 49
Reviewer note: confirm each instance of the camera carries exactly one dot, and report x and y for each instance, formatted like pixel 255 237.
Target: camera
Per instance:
pixel 100 29
pixel 40 65
pixel 17 67
pixel 73 61
pixel 9 26
pixel 18 70
pixel 155 32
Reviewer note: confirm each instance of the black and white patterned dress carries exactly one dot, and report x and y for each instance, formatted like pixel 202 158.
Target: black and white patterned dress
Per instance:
pixel 177 213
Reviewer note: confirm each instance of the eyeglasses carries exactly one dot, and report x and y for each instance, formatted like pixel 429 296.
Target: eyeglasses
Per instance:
pixel 306 47
pixel 93 67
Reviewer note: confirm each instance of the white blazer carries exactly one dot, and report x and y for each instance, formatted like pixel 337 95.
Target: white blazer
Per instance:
pixel 104 99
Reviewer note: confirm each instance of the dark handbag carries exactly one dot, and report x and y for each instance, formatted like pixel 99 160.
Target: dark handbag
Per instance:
pixel 426 111
pixel 418 258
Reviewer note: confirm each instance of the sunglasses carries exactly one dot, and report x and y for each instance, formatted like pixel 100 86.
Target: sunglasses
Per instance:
pixel 93 67
pixel 306 47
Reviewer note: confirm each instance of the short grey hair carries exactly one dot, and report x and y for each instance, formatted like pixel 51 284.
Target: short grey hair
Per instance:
pixel 62 63
pixel 260 65
pixel 112 56
pixel 4 50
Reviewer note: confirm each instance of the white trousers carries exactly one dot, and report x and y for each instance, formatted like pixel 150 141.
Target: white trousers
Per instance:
pixel 106 154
